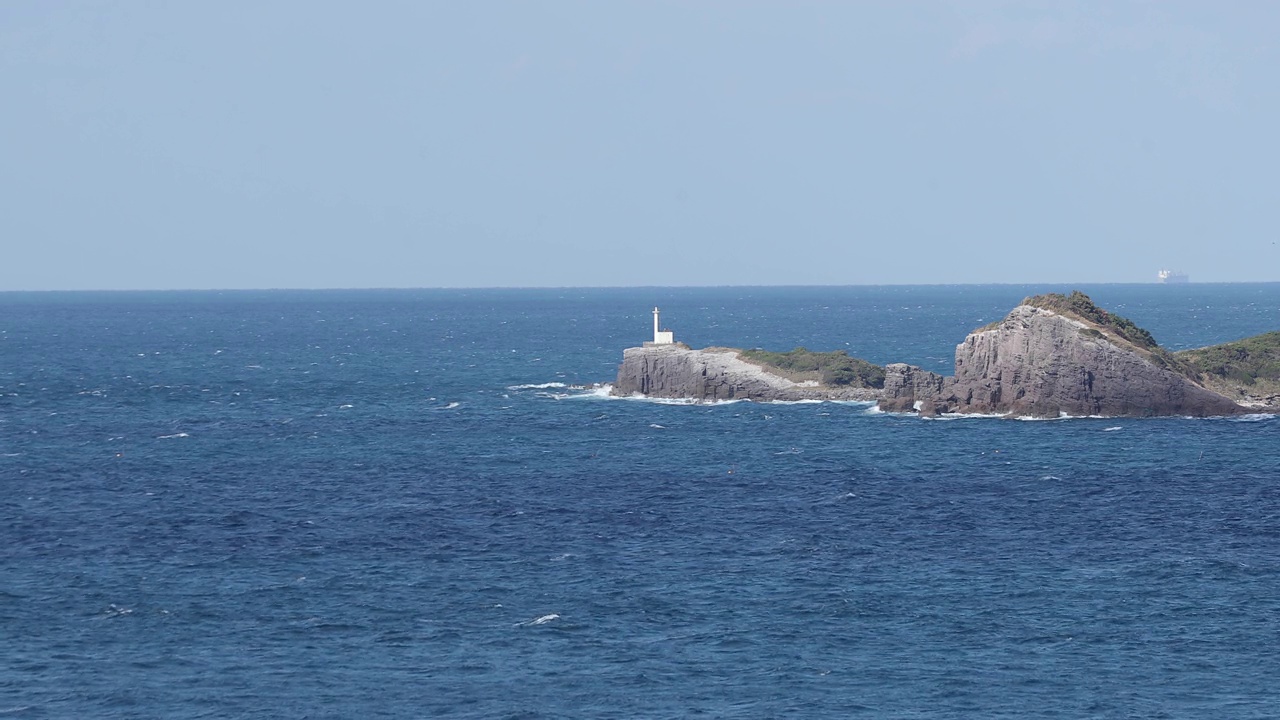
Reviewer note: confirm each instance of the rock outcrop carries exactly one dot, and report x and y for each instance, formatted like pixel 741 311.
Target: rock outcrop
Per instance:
pixel 1053 355
pixel 718 374
pixel 1045 359
pixel 907 388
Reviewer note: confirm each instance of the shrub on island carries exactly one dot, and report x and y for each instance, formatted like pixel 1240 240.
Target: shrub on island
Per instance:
pixel 829 368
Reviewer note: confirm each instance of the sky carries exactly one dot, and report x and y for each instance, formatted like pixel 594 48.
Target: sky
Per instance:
pixel 281 144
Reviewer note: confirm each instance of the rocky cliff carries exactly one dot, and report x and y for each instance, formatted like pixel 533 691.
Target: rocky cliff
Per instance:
pixel 1056 355
pixel 717 374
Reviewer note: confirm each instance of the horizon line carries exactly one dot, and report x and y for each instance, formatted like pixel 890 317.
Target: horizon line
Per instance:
pixel 616 287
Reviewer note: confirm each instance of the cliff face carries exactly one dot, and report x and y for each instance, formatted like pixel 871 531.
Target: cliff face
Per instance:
pixel 1038 362
pixel 675 371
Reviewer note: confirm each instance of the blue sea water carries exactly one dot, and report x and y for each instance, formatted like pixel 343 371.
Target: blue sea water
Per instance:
pixel 392 504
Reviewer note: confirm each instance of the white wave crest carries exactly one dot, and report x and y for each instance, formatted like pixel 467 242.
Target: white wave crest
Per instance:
pixel 1253 417
pixel 803 401
pixel 537 386
pixel 543 620
pixel 599 392
pixel 605 392
pixel 175 435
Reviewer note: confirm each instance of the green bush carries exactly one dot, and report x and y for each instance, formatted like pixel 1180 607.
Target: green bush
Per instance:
pixel 1081 305
pixel 1243 361
pixel 832 368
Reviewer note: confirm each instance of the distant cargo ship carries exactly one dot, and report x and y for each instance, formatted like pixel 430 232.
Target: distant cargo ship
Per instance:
pixel 1173 276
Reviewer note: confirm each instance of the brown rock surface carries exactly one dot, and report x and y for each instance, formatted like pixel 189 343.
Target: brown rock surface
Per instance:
pixel 675 371
pixel 1042 363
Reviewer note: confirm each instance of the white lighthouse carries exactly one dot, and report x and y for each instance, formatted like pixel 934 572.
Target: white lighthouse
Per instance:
pixel 661 337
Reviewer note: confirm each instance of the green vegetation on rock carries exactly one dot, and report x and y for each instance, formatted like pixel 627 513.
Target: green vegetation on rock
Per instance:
pixel 1082 306
pixel 829 368
pixel 1116 327
pixel 1246 361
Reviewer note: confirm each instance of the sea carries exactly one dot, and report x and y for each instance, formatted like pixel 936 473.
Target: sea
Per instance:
pixel 413 504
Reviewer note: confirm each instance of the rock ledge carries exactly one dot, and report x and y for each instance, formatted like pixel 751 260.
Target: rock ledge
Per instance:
pixel 1039 362
pixel 715 375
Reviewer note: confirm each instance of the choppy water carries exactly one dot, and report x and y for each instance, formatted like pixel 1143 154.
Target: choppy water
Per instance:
pixel 390 504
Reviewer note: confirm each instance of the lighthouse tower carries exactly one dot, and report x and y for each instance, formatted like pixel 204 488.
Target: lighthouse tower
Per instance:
pixel 661 337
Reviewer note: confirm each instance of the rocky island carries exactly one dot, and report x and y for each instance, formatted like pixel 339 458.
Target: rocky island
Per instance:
pixel 716 374
pixel 1053 355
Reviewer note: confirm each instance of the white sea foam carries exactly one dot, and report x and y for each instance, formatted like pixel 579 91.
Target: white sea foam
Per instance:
pixel 345 407
pixel 602 392
pixel 1253 417
pixel 803 401
pixel 543 620
pixel 598 392
pixel 656 426
pixel 451 406
pixel 175 435
pixel 970 416
pixel 538 386
pixel 1113 428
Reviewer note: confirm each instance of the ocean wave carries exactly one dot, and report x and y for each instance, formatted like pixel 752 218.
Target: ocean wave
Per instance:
pixel 1253 417
pixel 537 386
pixel 175 435
pixel 802 401
pixel 604 392
pixel 541 620
pixel 682 401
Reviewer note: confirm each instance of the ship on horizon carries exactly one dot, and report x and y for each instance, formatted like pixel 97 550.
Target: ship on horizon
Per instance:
pixel 1173 276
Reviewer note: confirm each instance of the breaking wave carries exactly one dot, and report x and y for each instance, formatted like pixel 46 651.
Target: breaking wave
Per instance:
pixel 537 386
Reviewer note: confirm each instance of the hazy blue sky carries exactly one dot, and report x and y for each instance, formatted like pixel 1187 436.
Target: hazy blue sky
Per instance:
pixel 426 144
